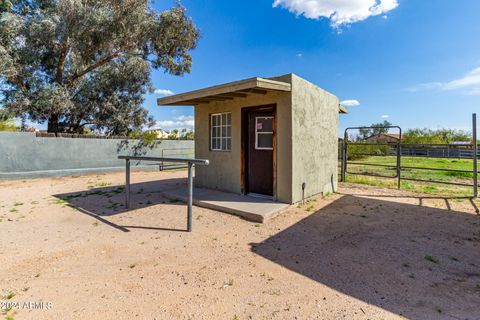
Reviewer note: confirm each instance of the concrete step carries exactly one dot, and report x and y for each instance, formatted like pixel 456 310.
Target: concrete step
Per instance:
pixel 250 208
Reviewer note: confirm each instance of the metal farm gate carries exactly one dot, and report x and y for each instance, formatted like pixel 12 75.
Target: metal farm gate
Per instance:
pixel 398 150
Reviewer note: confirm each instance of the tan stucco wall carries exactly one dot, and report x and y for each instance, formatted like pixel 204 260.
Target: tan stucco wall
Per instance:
pixel 224 171
pixel 314 139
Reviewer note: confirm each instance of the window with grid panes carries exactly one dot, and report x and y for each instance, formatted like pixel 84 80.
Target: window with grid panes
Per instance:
pixel 221 131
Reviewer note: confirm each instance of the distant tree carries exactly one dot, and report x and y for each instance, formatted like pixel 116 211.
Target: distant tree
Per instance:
pixel 8 125
pixel 173 134
pixel 190 135
pixel 87 63
pixel 429 136
pixel 365 133
pixel 7 122
pixel 187 135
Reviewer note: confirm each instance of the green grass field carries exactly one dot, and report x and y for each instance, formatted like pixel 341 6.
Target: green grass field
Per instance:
pixel 426 187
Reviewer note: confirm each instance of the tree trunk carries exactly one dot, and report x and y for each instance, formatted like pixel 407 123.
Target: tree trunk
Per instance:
pixel 53 123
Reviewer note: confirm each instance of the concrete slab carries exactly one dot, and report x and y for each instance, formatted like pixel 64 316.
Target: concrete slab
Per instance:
pixel 248 207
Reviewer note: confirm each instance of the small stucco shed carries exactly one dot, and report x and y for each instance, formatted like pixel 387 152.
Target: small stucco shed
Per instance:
pixel 274 137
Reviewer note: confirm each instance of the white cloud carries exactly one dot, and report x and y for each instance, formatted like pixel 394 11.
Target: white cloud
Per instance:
pixel 350 103
pixel 469 83
pixel 340 12
pixel 163 92
pixel 178 122
pixel 184 118
pixel 385 116
pixel 299 55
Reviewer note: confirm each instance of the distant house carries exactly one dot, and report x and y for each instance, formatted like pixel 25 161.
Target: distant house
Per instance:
pixel 384 138
pixel 161 134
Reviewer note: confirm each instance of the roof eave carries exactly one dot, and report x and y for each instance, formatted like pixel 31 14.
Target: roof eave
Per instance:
pixel 342 109
pixel 226 91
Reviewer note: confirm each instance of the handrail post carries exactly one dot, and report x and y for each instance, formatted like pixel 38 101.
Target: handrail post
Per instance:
pixel 127 183
pixel 190 196
pixel 475 155
pixel 161 165
pixel 190 162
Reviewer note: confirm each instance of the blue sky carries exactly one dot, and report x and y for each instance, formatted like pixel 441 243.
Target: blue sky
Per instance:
pixel 413 62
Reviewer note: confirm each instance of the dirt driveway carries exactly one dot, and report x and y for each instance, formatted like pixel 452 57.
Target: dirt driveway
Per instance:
pixel 69 250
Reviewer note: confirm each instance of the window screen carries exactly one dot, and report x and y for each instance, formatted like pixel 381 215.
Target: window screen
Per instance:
pixel 221 132
pixel 264 133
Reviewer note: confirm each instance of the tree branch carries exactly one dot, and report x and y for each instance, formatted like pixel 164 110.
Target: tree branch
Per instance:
pixel 61 62
pixel 63 54
pixel 19 82
pixel 94 66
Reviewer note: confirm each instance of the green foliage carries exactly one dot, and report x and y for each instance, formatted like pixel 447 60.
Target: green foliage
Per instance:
pixel 429 136
pixel 8 125
pixel 173 135
pixel 147 138
pixel 357 152
pixel 190 135
pixel 86 63
pixel 143 142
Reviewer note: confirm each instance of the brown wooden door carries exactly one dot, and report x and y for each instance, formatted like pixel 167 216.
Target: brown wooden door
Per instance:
pixel 260 152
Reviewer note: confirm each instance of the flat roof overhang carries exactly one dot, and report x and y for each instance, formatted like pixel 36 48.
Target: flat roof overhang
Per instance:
pixel 230 91
pixel 227 91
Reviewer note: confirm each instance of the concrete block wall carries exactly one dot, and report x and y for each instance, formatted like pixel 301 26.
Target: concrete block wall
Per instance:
pixel 23 155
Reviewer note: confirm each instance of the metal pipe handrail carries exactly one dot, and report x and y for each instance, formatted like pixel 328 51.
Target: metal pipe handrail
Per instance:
pixel 158 159
pixel 162 165
pixel 189 162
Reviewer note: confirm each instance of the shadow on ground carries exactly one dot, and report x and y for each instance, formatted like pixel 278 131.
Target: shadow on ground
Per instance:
pixel 421 199
pixel 414 261
pixel 103 202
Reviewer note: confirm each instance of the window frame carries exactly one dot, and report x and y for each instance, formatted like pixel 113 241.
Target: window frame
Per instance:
pixel 263 132
pixel 220 137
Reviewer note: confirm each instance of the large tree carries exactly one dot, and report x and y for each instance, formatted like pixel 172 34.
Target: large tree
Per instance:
pixel 87 63
pixel 374 129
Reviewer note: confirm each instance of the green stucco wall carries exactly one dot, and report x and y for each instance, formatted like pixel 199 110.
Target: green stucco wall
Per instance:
pixel 314 139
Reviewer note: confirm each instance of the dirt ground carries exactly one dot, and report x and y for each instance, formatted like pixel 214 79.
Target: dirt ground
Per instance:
pixel 69 250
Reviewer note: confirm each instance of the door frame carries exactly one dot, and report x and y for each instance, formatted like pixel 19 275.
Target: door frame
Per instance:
pixel 244 147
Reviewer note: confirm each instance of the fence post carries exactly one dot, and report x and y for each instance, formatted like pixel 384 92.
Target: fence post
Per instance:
pixel 475 155
pixel 399 156
pixel 344 156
